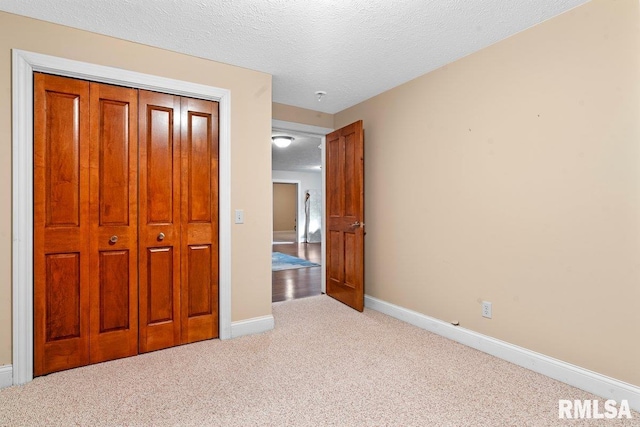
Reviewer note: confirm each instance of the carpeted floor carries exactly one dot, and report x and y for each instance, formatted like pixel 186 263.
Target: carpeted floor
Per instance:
pixel 323 365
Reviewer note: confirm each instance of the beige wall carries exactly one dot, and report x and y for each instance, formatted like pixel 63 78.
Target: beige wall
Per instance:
pixel 285 206
pixel 250 155
pixel 289 113
pixel 513 176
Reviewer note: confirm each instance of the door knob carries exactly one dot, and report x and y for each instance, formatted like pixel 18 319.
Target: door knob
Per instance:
pixel 113 239
pixel 161 236
pixel 358 224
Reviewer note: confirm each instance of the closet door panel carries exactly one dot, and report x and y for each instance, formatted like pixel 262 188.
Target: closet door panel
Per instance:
pixel 199 219
pixel 159 246
pixel 114 294
pixel 199 269
pixel 61 223
pixel 114 222
pixel 63 296
pixel 161 144
pixel 160 285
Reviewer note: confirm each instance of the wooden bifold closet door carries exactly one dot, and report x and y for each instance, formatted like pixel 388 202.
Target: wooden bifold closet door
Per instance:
pixel 121 268
pixel 178 220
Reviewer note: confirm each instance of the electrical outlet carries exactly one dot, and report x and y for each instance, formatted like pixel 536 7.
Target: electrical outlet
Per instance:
pixel 486 309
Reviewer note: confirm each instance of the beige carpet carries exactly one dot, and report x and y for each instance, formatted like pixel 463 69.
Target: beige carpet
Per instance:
pixel 323 365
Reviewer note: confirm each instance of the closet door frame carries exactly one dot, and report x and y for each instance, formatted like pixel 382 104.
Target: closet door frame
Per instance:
pixel 24 64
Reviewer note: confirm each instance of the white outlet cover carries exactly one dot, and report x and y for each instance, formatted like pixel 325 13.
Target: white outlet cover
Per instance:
pixel 486 309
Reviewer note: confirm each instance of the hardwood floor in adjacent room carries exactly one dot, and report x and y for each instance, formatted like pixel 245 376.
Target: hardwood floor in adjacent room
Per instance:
pixel 301 282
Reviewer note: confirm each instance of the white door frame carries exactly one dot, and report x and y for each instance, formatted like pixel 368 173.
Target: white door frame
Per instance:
pixel 24 65
pixel 298 197
pixel 319 132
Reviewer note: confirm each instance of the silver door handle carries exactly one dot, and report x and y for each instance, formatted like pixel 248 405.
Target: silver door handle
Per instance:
pixel 358 224
pixel 161 236
pixel 113 239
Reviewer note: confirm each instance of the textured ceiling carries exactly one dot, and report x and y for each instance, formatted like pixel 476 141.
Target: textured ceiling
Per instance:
pixel 302 155
pixel 352 49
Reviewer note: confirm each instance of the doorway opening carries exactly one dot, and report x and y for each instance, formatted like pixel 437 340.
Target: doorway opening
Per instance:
pixel 298 248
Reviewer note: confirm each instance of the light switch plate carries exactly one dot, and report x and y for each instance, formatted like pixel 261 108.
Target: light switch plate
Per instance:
pixel 239 216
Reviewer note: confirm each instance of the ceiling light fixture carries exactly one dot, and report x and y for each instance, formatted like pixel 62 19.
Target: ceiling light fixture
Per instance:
pixel 320 94
pixel 282 141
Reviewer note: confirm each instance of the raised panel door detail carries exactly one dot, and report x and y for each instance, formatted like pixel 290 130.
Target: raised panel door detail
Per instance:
pixel 334 170
pixel 350 270
pixel 114 222
pixel 63 159
pixel 63 296
pixel 160 285
pixel 114 162
pixel 160 217
pixel 160 152
pixel 199 282
pixel 114 290
pixel 198 147
pixel 60 223
pixel 350 195
pixel 199 220
pixel 335 255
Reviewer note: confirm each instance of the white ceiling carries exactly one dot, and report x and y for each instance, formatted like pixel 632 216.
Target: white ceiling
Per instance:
pixel 352 49
pixel 302 155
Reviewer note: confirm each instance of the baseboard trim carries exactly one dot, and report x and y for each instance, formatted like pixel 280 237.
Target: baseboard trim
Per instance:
pixel 252 326
pixel 592 382
pixel 6 376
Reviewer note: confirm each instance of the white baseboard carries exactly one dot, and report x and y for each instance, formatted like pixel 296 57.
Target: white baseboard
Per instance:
pixel 252 326
pixel 592 382
pixel 6 376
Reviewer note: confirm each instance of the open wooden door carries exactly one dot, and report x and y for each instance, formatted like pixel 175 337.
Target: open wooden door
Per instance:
pixel 345 215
